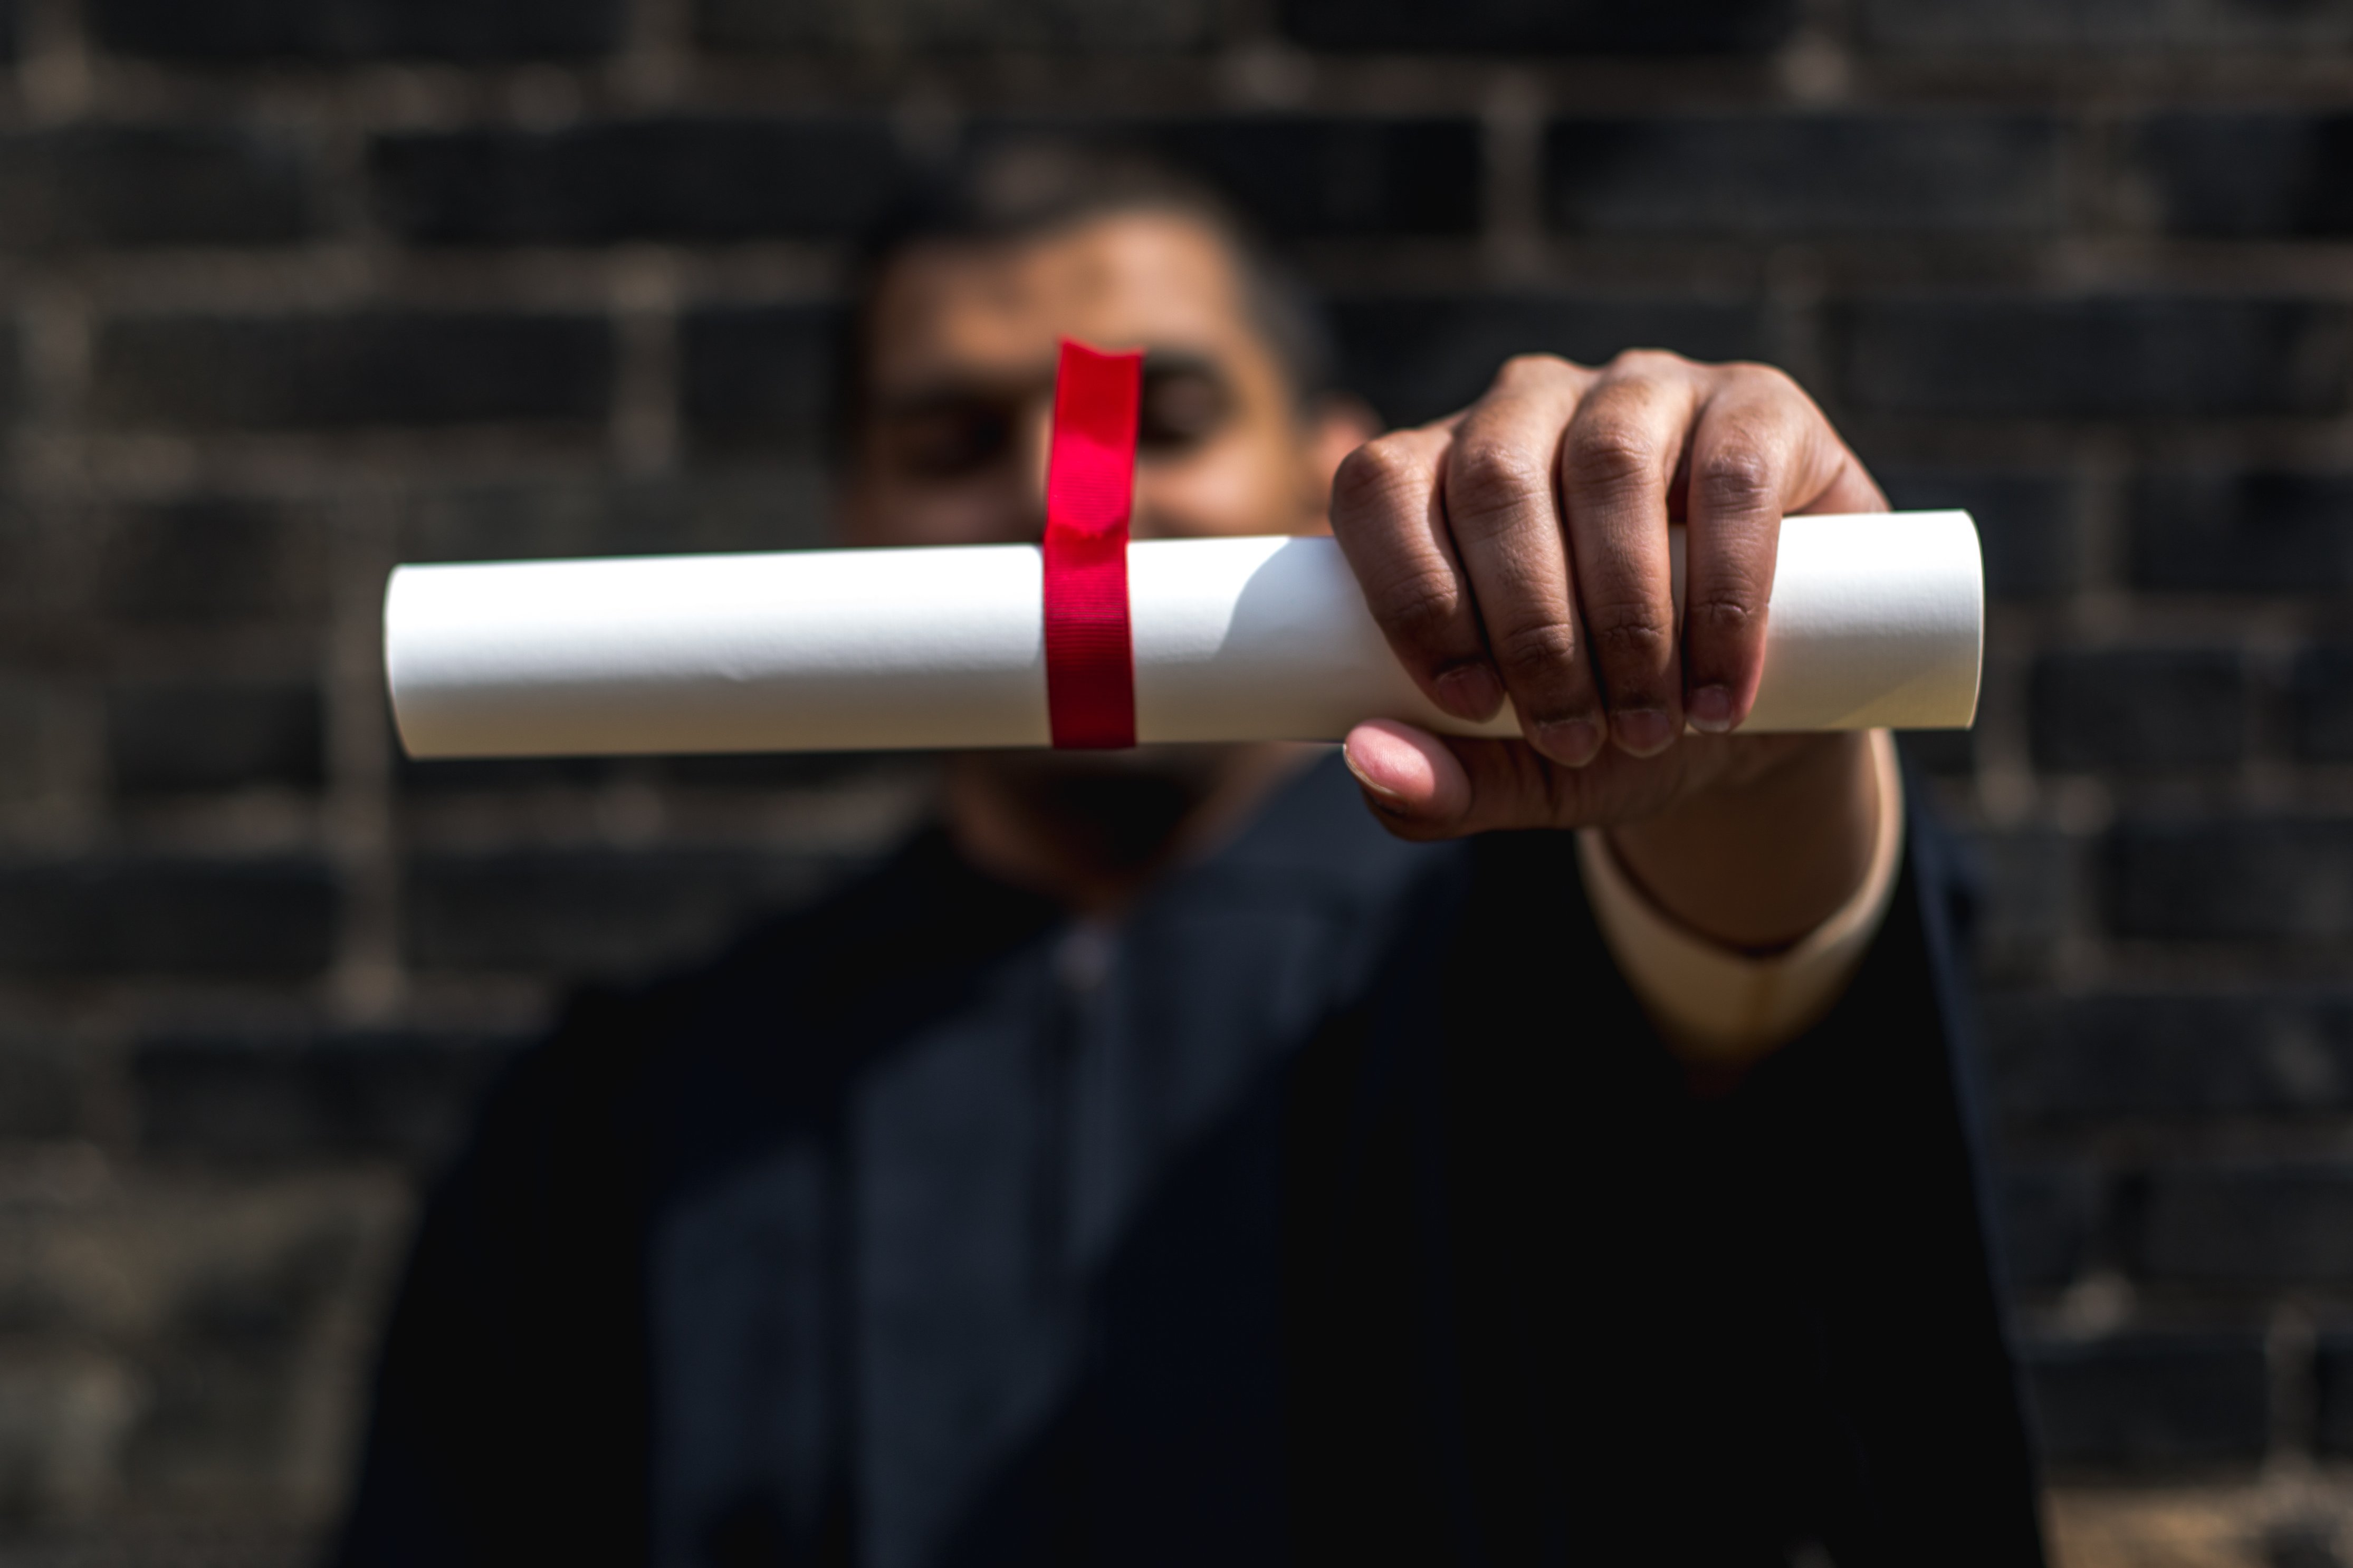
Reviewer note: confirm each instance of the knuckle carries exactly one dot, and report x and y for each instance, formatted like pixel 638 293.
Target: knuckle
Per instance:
pixel 1772 380
pixel 1726 617
pixel 1630 635
pixel 1418 608
pixel 1530 370
pixel 1488 480
pixel 1739 476
pixel 1611 454
pixel 1539 649
pixel 1647 363
pixel 1375 474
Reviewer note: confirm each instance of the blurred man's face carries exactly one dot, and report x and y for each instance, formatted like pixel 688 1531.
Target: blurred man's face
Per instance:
pixel 953 450
pixel 961 371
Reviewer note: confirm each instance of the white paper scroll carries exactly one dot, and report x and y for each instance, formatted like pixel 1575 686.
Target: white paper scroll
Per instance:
pixel 1875 621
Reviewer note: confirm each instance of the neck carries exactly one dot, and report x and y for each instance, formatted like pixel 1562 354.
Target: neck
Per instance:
pixel 1092 831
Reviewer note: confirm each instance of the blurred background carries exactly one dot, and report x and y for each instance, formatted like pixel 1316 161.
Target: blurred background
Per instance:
pixel 293 289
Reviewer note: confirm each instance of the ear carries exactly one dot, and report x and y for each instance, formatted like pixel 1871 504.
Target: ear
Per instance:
pixel 1337 424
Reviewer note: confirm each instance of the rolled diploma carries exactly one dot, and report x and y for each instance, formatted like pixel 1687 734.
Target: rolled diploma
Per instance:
pixel 1874 621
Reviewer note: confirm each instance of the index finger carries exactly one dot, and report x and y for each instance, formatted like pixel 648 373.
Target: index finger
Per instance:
pixel 1503 515
pixel 1387 513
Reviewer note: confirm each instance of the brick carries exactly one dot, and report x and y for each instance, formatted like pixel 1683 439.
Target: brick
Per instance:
pixel 227 1360
pixel 2096 357
pixel 2029 523
pixel 744 507
pixel 1566 26
pixel 41 1093
pixel 2263 531
pixel 2250 1222
pixel 211 1401
pixel 2030 888
pixel 2321 705
pixel 168 915
pixel 69 1401
pixel 761 376
pixel 12 372
pixel 1104 27
pixel 213 560
pixel 2103 26
pixel 380 367
pixel 289 1097
pixel 673 179
pixel 2049 1220
pixel 2151 1399
pixel 1763 175
pixel 2081 1061
pixel 2139 709
pixel 176 737
pixel 575 912
pixel 2249 175
pixel 29 713
pixel 1300 176
pixel 155 185
pixel 29 573
pixel 2333 1401
pixel 1417 358
pixel 2242 879
pixel 229 31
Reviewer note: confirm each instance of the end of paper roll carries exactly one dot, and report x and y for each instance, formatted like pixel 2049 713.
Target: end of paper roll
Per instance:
pixel 393 646
pixel 1877 622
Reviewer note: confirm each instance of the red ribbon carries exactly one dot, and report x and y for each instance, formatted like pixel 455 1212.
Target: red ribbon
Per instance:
pixel 1090 480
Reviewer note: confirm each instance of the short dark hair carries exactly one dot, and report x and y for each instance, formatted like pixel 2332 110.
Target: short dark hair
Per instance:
pixel 1017 188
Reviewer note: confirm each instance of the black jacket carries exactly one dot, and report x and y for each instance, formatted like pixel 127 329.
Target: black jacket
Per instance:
pixel 1340 1206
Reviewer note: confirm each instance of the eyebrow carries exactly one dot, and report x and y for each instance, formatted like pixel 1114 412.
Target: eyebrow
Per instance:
pixel 943 392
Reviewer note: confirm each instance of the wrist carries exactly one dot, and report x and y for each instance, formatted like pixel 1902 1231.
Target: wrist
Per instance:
pixel 1770 848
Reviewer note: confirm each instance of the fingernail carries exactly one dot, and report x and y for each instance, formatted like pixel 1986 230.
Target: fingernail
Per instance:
pixel 1710 710
pixel 1470 690
pixel 1573 742
pixel 1642 731
pixel 1386 796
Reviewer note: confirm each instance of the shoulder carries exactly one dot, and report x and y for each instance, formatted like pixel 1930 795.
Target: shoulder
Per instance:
pixel 765 1032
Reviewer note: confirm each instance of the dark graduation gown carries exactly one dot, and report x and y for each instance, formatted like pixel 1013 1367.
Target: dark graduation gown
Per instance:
pixel 1341 1204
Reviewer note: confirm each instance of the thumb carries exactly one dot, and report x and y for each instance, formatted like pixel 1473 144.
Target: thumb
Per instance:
pixel 1412 782
pixel 1422 786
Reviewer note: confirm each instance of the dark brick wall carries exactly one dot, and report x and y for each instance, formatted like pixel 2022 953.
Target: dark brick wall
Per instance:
pixel 373 367
pixel 701 179
pixel 293 289
pixel 355 31
pixel 1762 175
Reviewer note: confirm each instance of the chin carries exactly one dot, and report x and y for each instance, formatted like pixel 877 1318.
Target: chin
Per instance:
pixel 1119 810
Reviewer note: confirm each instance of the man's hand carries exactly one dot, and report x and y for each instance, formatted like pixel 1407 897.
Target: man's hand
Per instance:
pixel 1520 548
